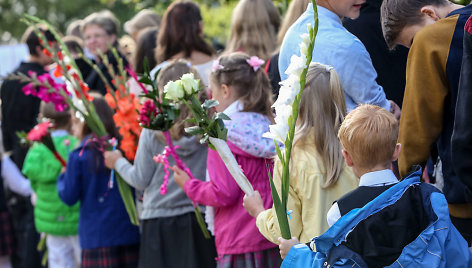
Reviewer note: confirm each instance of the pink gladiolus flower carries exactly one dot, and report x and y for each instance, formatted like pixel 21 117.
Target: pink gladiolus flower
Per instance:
pixel 39 131
pixel 147 113
pixel 29 89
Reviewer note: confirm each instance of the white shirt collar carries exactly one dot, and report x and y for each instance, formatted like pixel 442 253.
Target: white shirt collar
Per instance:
pixel 58 133
pixel 235 107
pixel 378 178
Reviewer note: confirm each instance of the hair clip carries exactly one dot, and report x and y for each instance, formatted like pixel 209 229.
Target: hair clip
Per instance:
pixel 216 66
pixel 255 62
pixel 329 68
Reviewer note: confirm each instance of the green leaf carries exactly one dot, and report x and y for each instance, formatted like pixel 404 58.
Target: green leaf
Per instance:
pixel 145 80
pixel 222 116
pixel 210 104
pixel 195 130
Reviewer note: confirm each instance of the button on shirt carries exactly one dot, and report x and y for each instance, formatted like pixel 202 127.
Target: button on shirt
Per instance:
pixel 371 179
pixel 337 47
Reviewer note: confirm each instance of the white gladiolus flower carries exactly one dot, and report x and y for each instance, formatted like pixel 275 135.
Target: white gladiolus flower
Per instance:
pixel 174 90
pixel 297 64
pixel 277 132
pixel 309 26
pixel 305 44
pixel 288 91
pixel 303 48
pixel 189 83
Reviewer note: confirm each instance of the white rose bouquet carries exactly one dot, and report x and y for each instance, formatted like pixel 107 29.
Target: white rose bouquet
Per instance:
pixel 286 109
pixel 212 129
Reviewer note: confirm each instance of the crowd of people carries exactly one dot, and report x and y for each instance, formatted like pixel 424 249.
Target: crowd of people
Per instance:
pixel 383 117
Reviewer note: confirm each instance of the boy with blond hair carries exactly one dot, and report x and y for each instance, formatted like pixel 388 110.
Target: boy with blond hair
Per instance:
pixel 383 221
pixel 434 31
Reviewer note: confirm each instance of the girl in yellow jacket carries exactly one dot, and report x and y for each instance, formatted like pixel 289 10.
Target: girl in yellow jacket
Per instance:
pixel 318 174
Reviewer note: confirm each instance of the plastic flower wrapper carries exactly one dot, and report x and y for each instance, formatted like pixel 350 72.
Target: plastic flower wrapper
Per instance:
pixel 212 129
pixel 286 109
pixel 40 133
pixel 78 98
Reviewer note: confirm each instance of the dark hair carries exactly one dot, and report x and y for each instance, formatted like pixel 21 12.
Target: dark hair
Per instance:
pixel 253 87
pixel 180 32
pixel 145 48
pixel 33 41
pixel 106 116
pixel 73 44
pixel 398 14
pixel 59 119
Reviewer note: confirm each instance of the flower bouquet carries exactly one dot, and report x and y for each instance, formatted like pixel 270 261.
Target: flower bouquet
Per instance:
pixel 286 109
pixel 40 133
pixel 160 114
pixel 212 129
pixel 124 103
pixel 76 96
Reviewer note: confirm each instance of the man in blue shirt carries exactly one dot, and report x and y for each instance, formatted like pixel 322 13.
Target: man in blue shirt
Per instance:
pixel 337 47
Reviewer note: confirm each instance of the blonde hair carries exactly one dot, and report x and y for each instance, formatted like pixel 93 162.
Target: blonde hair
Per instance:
pixel 369 134
pixel 322 110
pixel 295 10
pixel 252 87
pixel 253 28
pixel 174 71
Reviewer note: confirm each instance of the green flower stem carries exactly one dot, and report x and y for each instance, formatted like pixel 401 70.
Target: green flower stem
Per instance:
pixel 128 199
pixel 201 222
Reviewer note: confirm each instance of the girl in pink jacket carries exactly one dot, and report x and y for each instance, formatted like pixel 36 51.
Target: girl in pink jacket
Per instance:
pixel 244 94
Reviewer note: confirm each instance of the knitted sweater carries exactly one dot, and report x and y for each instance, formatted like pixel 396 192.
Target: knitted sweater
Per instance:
pixel 51 215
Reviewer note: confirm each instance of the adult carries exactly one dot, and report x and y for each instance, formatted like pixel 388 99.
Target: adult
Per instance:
pixel 390 65
pixel 19 113
pixel 100 31
pixel 181 37
pixel 143 19
pixel 337 47
pixel 295 10
pixel 254 27
pixel 145 50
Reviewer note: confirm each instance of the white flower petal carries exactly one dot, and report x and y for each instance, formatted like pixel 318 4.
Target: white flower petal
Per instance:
pixel 297 64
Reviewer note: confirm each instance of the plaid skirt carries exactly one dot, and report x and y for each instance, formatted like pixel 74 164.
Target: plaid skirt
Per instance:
pixel 7 236
pixel 111 257
pixel 260 259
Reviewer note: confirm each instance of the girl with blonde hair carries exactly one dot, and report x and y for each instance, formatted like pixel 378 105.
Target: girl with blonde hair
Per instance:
pixel 253 28
pixel 318 174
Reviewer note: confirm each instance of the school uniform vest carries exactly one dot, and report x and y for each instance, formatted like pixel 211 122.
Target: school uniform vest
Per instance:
pixel 360 197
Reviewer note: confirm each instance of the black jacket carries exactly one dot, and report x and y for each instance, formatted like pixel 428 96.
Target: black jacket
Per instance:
pixel 93 79
pixel 390 65
pixel 462 135
pixel 19 112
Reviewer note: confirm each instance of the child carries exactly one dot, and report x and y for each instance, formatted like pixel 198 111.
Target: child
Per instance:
pixel 244 94
pixel 168 217
pixel 105 231
pixel 51 215
pixel 337 47
pixel 318 175
pixel 433 70
pixel 11 178
pixel 383 222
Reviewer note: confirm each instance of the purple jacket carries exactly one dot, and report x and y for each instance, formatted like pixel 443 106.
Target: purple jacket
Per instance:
pixel 235 229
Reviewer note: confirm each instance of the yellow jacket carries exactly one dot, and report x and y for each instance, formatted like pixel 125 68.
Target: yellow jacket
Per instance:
pixel 308 199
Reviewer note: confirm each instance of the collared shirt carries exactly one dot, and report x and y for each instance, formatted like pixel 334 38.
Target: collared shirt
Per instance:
pixel 235 107
pixel 371 179
pixel 337 47
pixel 59 133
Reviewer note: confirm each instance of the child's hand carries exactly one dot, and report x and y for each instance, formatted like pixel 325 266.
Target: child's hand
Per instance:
pixel 253 204
pixel 180 176
pixel 111 157
pixel 286 245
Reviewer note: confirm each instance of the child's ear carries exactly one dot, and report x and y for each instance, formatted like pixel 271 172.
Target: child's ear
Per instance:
pixel 430 12
pixel 396 153
pixel 225 90
pixel 348 159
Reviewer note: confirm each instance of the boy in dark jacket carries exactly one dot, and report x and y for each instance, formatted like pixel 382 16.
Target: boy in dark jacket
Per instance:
pixel 383 221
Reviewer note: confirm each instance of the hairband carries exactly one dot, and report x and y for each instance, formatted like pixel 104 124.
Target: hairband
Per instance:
pixel 254 61
pixel 329 68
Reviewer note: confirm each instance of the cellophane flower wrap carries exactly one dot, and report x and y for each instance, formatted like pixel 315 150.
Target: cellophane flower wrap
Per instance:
pixel 76 96
pixel 41 133
pixel 286 109
pixel 212 129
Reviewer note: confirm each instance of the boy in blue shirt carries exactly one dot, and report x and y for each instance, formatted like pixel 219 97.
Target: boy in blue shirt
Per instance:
pixel 383 221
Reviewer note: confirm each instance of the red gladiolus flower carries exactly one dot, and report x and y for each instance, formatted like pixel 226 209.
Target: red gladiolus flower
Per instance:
pixel 39 131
